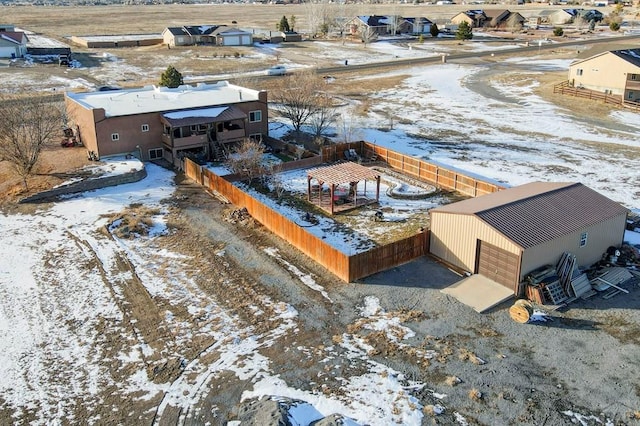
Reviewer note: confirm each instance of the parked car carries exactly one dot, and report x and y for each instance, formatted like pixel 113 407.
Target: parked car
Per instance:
pixel 277 70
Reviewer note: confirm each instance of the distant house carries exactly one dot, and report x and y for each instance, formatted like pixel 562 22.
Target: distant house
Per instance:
pixel 221 35
pixel 291 36
pixel 199 121
pixel 475 18
pixel 189 35
pixel 589 15
pixel 615 72
pixel 13 44
pixel 380 25
pixel 419 25
pixel 503 19
pixel 507 234
pixel 563 16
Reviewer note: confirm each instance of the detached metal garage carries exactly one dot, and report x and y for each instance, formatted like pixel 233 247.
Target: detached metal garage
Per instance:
pixel 507 234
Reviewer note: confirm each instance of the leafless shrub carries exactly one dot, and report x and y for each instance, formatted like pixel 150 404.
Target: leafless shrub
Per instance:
pixel 475 394
pixel 452 380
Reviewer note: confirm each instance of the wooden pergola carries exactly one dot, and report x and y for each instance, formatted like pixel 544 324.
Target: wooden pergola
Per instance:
pixel 341 174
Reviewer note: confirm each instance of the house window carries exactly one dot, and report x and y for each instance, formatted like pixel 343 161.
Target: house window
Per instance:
pixel 635 77
pixel 256 137
pixel 255 116
pixel 579 71
pixel 583 239
pixel 115 136
pixel 144 127
pixel 630 95
pixel 155 153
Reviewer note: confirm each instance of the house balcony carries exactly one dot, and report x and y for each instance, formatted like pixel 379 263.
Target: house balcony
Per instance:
pixel 229 135
pixel 186 142
pixel 632 85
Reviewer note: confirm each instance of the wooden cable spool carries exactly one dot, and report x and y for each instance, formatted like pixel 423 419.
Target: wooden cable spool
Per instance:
pixel 521 311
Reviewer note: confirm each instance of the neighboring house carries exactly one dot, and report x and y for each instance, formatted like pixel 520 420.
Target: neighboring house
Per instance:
pixel 158 122
pixel 589 15
pixel 221 35
pixel 380 25
pixel 544 16
pixel 419 25
pixel 13 44
pixel 475 18
pixel 503 19
pixel 615 72
pixel 507 234
pixel 189 35
pixel 562 16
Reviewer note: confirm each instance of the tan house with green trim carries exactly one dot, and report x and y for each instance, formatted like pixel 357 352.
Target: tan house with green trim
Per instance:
pixel 616 72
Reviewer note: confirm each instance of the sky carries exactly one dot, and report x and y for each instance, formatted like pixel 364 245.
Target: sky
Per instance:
pixel 48 332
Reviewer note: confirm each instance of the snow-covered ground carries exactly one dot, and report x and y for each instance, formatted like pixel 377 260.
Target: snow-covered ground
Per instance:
pixel 48 334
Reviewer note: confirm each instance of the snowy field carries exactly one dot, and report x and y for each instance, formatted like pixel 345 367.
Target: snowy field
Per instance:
pixel 53 354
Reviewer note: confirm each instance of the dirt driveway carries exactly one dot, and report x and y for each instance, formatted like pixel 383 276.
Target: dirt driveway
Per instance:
pixel 539 373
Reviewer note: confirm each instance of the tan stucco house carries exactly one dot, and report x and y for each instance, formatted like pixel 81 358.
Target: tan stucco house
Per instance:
pixel 615 72
pixel 221 35
pixel 475 18
pixel 509 233
pixel 202 121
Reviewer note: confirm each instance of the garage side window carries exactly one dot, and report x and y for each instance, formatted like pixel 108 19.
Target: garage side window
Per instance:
pixel 144 127
pixel 583 239
pixel 255 116
pixel 115 136
pixel 579 71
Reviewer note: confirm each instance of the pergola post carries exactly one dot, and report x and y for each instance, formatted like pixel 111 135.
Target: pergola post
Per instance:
pixel 377 188
pixel 308 188
pixel 333 187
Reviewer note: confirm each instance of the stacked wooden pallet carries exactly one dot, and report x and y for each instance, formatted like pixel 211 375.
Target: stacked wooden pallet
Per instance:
pixel 574 282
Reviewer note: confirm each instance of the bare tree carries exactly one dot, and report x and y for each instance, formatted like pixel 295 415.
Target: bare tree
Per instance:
pixel 395 23
pixel 348 130
pixel 325 115
pixel 27 124
pixel 247 160
pixel 297 97
pixel 368 35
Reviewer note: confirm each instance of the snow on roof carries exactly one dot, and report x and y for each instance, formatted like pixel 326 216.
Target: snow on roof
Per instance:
pixel 120 37
pixel 206 112
pixel 156 99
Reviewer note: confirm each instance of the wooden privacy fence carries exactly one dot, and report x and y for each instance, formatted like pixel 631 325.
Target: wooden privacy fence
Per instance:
pixel 347 268
pixel 565 88
pixel 439 176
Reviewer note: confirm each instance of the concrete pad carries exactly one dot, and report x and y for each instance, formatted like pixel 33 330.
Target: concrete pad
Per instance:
pixel 479 292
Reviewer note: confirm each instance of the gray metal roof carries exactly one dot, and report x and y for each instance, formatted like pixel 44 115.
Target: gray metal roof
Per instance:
pixel 538 212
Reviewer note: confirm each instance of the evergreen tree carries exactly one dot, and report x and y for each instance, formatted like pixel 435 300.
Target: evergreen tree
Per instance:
pixel 464 31
pixel 283 25
pixel 171 78
pixel 434 30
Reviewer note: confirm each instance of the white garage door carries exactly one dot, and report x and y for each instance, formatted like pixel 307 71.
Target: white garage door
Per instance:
pixel 232 41
pixel 7 52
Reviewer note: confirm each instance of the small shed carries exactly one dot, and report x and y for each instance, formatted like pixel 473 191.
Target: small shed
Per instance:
pixel 336 187
pixel 507 234
pixel 289 36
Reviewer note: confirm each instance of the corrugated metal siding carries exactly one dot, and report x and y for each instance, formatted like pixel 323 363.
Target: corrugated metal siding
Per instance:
pixel 600 237
pixel 454 238
pixel 551 215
